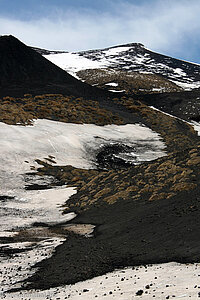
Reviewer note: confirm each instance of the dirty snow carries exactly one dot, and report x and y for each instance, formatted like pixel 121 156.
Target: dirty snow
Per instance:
pixel 70 144
pixel 163 281
pixel 20 209
pixel 18 214
pixel 16 268
pixel 67 142
pixel 28 207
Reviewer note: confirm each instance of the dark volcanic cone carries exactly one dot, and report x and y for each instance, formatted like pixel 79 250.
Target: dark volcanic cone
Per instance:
pixel 23 70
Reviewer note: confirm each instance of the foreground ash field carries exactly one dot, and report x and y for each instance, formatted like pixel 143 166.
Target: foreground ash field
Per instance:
pixel 99 177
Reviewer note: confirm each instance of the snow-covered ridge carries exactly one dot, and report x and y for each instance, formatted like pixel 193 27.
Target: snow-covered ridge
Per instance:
pixel 132 58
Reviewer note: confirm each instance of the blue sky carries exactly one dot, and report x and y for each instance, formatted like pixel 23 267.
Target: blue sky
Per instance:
pixel 167 26
pixel 39 7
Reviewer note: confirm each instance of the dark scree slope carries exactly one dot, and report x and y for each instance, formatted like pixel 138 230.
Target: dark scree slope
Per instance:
pixel 24 70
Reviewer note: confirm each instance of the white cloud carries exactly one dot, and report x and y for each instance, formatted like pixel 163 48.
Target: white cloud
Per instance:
pixel 164 26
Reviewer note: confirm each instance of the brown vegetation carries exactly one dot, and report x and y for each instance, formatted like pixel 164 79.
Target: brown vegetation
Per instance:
pixel 168 127
pixel 55 107
pixel 160 179
pixel 131 82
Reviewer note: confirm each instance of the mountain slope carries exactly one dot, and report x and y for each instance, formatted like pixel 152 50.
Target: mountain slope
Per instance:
pixel 184 105
pixel 166 83
pixel 141 211
pixel 23 70
pixel 20 64
pixel 131 58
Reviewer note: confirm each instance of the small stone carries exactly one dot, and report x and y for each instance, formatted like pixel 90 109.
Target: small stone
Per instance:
pixel 147 286
pixel 139 292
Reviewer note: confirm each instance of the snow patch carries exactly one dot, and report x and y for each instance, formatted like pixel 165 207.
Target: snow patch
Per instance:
pixel 16 268
pixel 180 72
pixel 112 84
pixel 67 144
pixel 18 215
pixel 116 51
pixel 196 126
pixel 116 91
pixel 159 280
pixel 29 207
pixel 73 62
pixel 158 89
pixel 187 86
pixel 169 115
pixel 140 59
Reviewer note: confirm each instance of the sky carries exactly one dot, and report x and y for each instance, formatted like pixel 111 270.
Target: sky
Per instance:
pixel 169 27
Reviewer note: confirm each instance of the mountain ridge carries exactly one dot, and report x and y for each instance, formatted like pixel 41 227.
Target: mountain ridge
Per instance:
pixel 24 70
pixel 133 57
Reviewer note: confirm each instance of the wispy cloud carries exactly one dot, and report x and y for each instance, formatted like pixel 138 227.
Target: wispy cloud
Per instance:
pixel 169 26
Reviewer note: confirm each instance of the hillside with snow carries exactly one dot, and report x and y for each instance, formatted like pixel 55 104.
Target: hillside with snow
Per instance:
pixel 99 174
pixel 131 58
